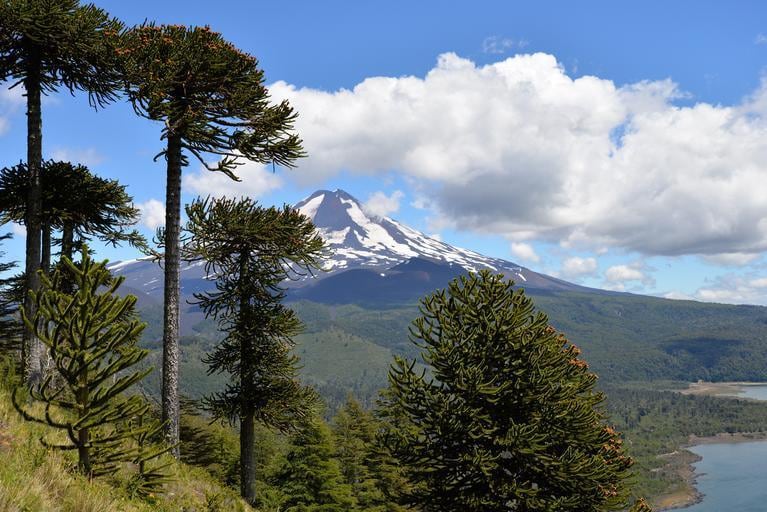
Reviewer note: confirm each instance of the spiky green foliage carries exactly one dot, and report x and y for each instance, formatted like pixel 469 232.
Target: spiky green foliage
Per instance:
pixel 91 335
pixel 60 43
pixel 152 473
pixel 212 102
pixel 46 45
pixel 251 250
pixel 508 419
pixel 370 472
pixel 76 202
pixel 208 93
pixel 311 478
pixel 10 325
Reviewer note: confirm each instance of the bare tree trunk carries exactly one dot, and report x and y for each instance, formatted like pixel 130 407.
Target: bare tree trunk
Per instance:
pixel 248 456
pixel 247 398
pixel 32 346
pixel 67 240
pixel 170 352
pixel 45 257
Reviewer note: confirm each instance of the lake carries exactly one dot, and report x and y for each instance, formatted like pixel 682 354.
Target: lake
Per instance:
pixel 757 392
pixel 732 477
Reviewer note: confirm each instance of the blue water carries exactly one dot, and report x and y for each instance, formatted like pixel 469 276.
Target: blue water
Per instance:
pixel 732 477
pixel 757 392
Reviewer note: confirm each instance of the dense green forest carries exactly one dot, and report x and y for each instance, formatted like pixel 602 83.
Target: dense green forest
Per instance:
pixel 347 349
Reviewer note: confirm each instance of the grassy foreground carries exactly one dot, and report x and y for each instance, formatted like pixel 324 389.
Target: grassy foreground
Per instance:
pixel 33 478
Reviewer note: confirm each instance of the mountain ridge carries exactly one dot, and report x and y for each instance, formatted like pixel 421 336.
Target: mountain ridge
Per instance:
pixel 377 249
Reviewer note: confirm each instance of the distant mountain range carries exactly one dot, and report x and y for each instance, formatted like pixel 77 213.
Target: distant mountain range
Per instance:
pixel 372 260
pixel 357 313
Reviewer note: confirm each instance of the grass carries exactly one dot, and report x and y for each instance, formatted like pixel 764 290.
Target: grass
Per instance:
pixel 33 478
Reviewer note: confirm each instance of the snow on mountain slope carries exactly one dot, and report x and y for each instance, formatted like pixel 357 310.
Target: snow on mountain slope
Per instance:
pixel 357 240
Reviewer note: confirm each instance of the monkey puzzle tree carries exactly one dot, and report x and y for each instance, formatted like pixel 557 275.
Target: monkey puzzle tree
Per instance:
pixel 46 45
pixel 212 102
pixel 92 335
pixel 76 202
pixel 10 328
pixel 508 419
pixel 251 250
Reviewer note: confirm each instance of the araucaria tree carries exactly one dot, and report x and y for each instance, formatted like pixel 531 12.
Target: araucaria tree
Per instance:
pixel 508 419
pixel 92 335
pixel 76 202
pixel 46 45
pixel 251 250
pixel 10 327
pixel 212 102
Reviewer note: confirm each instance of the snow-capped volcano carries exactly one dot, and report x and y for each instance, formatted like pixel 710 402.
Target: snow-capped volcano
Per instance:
pixel 369 257
pixel 359 239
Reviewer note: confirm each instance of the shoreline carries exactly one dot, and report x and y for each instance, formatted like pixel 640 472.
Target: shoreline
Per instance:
pixel 690 495
pixel 731 389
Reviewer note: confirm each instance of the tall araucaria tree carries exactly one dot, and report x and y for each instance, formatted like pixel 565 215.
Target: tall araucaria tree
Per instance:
pixel 508 419
pixel 251 250
pixel 213 104
pixel 76 202
pixel 46 45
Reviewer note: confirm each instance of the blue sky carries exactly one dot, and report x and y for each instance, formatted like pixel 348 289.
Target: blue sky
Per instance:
pixel 615 145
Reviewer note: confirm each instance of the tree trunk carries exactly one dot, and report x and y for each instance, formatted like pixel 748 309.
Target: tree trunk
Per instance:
pixel 83 435
pixel 67 248
pixel 248 456
pixel 84 453
pixel 170 352
pixel 67 240
pixel 45 257
pixel 32 346
pixel 247 398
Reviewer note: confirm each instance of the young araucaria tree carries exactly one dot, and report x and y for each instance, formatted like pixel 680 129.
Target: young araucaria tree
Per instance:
pixel 46 45
pixel 251 250
pixel 212 102
pixel 91 335
pixel 508 419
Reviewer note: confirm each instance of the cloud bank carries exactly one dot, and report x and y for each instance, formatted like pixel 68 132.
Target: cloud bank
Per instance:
pixel 521 149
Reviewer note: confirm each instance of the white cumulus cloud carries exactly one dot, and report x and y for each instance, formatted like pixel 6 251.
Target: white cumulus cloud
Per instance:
pixel 256 180
pixel 381 205
pixel 152 213
pixel 617 277
pixel 525 252
pixel 622 273
pixel 576 266
pixel 521 149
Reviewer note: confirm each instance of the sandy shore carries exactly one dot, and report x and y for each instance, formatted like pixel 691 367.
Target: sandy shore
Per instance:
pixel 682 463
pixel 718 388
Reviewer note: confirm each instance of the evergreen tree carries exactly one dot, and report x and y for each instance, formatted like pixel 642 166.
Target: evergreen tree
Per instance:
pixel 152 474
pixel 311 478
pixel 251 250
pixel 46 45
pixel 10 327
pixel 92 335
pixel 76 202
pixel 508 419
pixel 374 478
pixel 211 100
